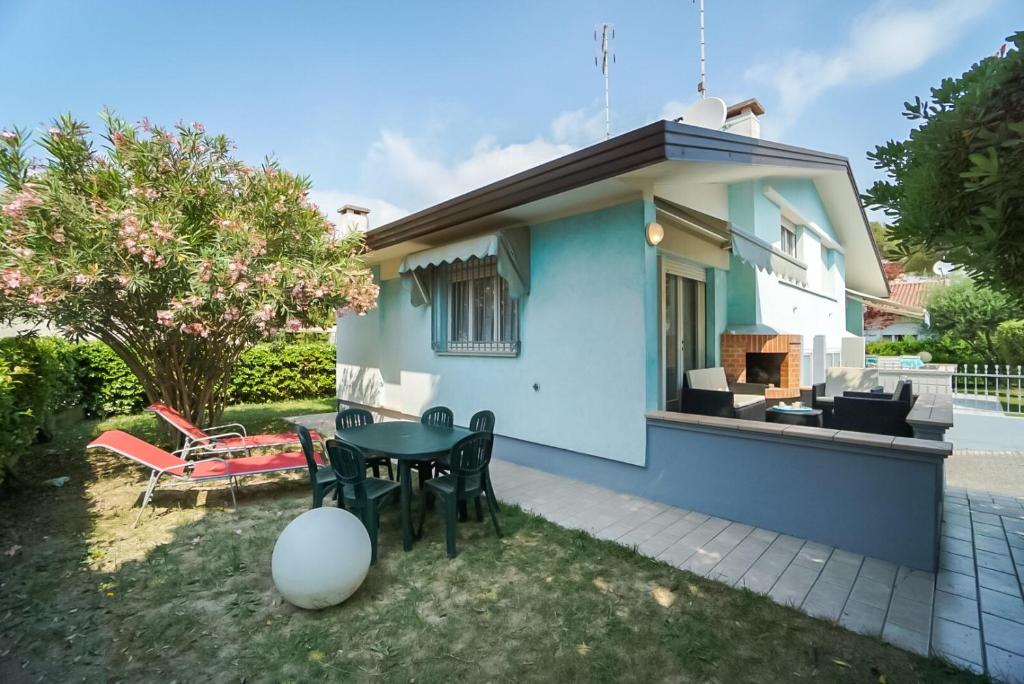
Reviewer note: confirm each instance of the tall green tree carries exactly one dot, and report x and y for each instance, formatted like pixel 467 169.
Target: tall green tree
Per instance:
pixel 955 187
pixel 917 261
pixel 168 249
pixel 965 311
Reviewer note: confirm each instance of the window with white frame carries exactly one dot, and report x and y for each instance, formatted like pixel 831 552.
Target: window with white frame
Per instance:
pixel 473 312
pixel 788 242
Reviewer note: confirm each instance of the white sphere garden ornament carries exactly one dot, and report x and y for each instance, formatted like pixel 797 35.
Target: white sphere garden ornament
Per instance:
pixel 321 558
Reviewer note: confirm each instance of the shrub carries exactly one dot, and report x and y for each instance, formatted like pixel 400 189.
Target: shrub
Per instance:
pixel 108 386
pixel 1010 341
pixel 277 370
pixel 37 381
pixel 942 349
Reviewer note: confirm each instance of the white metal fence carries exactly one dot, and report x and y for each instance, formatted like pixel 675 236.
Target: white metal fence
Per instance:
pixel 990 387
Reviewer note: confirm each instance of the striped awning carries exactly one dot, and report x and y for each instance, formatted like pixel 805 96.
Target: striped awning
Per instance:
pixel 511 248
pixel 764 256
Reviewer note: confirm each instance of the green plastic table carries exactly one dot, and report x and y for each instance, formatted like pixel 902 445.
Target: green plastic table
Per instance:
pixel 408 443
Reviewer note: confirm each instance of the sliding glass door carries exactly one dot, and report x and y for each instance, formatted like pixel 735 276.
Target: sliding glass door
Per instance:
pixel 683 332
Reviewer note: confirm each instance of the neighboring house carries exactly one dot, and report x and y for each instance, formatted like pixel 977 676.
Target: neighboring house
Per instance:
pixel 570 298
pixel 903 313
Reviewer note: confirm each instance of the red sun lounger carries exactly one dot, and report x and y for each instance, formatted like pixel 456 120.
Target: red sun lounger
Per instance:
pixel 221 439
pixel 163 463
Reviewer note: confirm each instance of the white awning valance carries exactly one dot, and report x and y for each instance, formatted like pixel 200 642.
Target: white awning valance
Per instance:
pixel 511 248
pixel 762 255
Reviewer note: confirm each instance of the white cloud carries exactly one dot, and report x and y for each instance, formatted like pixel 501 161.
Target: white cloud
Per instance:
pixel 413 177
pixel 886 41
pixel 381 211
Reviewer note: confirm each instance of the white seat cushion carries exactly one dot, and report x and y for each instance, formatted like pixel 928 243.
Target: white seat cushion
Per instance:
pixel 707 379
pixel 842 379
pixel 741 400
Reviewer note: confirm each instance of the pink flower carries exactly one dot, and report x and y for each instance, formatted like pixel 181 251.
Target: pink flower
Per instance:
pixel 55 132
pixel 165 318
pixel 241 286
pixel 195 328
pixel 266 313
pixel 37 296
pixel 293 325
pixel 151 194
pixel 20 202
pixel 124 280
pixel 198 126
pixel 9 136
pixel 220 294
pixel 194 301
pixel 205 271
pixel 118 138
pixel 23 252
pixel 58 236
pixel 232 314
pixel 13 278
pixel 81 280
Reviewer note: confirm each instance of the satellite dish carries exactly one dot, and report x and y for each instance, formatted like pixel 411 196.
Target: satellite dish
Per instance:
pixel 708 113
pixel 942 269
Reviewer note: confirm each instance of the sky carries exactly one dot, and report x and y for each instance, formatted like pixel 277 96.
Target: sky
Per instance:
pixel 399 105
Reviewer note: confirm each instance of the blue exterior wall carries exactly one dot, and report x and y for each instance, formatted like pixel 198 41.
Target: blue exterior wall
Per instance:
pixel 589 341
pixel 854 316
pixel 884 503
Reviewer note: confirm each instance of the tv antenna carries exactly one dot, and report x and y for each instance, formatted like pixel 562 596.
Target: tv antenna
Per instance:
pixel 603 61
pixel 702 87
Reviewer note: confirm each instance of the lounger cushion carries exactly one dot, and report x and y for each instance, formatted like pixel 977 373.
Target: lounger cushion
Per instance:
pixel 139 451
pixel 251 465
pixel 260 441
pixel 175 418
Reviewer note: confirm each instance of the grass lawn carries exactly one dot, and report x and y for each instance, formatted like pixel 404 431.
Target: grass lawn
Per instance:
pixel 187 595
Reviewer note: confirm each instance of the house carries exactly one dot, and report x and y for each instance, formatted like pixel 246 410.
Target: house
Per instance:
pixel 903 314
pixel 570 298
pixel 547 291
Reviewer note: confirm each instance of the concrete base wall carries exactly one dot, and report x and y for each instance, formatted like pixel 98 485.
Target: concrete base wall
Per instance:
pixel 881 502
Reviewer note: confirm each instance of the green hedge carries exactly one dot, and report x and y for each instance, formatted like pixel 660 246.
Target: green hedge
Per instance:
pixel 37 381
pixel 942 349
pixel 108 387
pixel 276 371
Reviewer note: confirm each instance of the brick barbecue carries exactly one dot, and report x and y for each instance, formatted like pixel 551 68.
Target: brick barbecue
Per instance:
pixel 736 347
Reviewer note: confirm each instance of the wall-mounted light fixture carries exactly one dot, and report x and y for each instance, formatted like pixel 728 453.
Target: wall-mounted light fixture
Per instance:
pixel 655 233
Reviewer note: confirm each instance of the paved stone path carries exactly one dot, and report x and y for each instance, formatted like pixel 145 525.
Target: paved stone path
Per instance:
pixel 991 471
pixel 970 613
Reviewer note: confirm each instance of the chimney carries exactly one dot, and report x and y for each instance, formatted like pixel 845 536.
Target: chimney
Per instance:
pixel 353 218
pixel 741 118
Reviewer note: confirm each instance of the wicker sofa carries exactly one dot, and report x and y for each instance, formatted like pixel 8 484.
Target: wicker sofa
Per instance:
pixel 707 392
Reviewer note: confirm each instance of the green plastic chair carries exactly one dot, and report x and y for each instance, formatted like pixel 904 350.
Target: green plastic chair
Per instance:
pixel 440 416
pixel 362 495
pixel 322 480
pixel 468 461
pixel 356 417
pixel 482 421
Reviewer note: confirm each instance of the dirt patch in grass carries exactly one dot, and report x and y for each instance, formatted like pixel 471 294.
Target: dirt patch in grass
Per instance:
pixel 187 596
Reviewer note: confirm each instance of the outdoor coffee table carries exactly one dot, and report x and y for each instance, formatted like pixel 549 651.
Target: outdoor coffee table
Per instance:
pixel 811 417
pixel 408 443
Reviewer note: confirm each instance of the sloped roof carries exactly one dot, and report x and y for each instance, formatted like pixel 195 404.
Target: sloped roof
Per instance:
pixel 912 293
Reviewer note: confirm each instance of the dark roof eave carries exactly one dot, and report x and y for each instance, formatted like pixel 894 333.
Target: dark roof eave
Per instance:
pixel 651 144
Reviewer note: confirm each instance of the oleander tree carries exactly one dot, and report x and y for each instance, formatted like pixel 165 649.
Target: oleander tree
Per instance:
pixel 160 243
pixel 955 186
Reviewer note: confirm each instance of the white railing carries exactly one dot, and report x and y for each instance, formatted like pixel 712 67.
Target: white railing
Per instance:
pixel 996 387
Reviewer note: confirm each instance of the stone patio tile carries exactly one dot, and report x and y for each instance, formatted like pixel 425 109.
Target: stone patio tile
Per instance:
pixel 1003 605
pixel 961 564
pixel 958 519
pixel 957 546
pixel 956 532
pixel 956 608
pixel 709 555
pixel 680 552
pixel 999 581
pixel 862 618
pixel 826 599
pixel 955 583
pixel 738 561
pixel 1005 666
pixel 909 614
pixel 956 640
pixel 793 585
pixel 907 639
pixel 655 545
pixel 989 530
pixel 988 518
pixel 839 572
pixel 813 555
pixel 767 569
pixel 994 561
pixel 1002 633
pixel 879 570
pixel 957 508
pixel 915 585
pixel 871 592
pixel 992 545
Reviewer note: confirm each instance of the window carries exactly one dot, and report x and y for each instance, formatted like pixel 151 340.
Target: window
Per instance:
pixel 473 311
pixel 789 241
